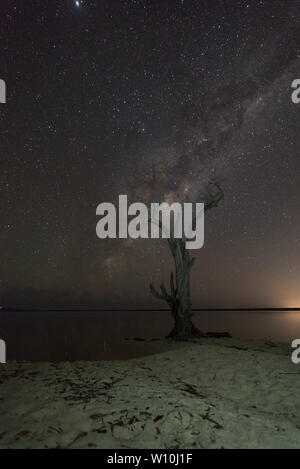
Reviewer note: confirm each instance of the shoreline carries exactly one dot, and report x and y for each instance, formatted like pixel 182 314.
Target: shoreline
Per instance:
pixel 205 393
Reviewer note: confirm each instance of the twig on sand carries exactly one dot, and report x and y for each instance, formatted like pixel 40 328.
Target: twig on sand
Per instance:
pixel 192 390
pixel 208 417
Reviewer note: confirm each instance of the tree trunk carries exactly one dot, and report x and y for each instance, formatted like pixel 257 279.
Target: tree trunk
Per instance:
pixel 184 329
pixel 179 299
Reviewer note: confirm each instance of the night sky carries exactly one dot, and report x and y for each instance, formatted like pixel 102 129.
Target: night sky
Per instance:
pixel 150 98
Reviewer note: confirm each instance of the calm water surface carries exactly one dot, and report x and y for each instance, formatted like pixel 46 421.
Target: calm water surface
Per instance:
pixel 101 335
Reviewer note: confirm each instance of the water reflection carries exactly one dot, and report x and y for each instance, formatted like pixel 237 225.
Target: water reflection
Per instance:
pixel 100 335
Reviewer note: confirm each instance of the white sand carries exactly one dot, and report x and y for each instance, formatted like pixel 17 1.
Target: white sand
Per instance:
pixel 204 394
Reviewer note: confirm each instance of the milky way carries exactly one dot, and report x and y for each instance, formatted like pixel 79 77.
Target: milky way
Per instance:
pixel 149 99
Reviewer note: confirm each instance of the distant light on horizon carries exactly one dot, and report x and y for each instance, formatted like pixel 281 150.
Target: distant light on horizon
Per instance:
pixel 291 304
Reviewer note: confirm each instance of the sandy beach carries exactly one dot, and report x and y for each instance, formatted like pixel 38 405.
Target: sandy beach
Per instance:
pixel 209 393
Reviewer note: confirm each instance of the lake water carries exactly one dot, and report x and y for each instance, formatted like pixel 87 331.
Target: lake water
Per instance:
pixel 56 336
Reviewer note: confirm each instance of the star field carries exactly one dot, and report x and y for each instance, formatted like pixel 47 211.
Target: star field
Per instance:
pixel 149 99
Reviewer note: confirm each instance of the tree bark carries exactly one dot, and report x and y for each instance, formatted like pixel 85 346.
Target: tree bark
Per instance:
pixel 184 329
pixel 179 298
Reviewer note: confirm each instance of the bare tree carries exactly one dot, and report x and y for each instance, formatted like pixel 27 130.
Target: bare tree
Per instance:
pixel 179 297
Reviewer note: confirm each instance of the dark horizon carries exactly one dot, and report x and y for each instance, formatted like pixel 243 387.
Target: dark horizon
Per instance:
pixel 101 335
pixel 141 309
